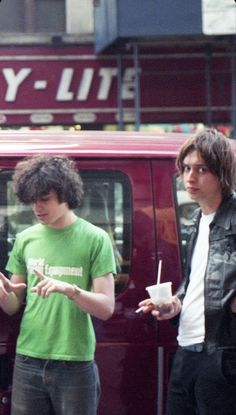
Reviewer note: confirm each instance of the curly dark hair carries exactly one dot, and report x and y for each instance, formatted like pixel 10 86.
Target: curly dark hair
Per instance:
pixel 216 151
pixel 36 176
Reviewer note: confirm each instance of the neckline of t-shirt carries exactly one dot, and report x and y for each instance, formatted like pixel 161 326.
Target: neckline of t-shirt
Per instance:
pixel 208 217
pixel 68 228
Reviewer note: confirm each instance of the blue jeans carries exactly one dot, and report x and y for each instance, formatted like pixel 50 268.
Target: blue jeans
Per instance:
pixel 54 387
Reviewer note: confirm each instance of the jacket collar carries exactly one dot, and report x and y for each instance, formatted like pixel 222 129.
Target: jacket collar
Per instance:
pixel 226 213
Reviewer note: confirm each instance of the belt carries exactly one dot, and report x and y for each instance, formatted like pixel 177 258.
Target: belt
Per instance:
pixel 198 347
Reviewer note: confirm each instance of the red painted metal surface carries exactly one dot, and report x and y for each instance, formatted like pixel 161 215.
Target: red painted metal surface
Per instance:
pixel 90 143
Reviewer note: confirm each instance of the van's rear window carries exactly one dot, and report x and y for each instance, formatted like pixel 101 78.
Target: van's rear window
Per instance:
pixel 106 203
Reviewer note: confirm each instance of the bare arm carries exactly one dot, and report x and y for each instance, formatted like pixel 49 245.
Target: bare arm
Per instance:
pixel 12 293
pixel 99 303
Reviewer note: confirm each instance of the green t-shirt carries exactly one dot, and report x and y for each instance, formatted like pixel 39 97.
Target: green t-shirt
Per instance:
pixel 54 327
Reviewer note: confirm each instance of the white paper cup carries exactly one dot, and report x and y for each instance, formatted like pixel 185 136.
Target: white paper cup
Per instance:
pixel 160 294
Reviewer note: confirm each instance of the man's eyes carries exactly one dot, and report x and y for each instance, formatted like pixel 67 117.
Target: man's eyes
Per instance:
pixel 200 169
pixel 44 199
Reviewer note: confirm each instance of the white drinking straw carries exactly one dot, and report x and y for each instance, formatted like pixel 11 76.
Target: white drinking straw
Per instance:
pixel 158 282
pixel 159 271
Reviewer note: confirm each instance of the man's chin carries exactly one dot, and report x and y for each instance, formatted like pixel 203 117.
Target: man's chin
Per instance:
pixel 43 221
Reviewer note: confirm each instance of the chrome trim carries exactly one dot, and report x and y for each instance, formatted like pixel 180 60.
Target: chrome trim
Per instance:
pixel 160 380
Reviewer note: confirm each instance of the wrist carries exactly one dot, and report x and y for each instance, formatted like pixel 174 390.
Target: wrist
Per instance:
pixel 73 292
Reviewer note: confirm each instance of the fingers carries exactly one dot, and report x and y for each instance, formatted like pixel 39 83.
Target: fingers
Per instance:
pixel 3 278
pixel 39 274
pixel 165 312
pixel 4 285
pixel 18 286
pixel 44 290
pixel 7 287
pixel 145 303
pixel 42 287
pixel 162 316
pixel 3 292
pixel 145 306
pixel 47 286
pixel 176 304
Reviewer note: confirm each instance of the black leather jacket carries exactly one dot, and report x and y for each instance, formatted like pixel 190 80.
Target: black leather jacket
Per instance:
pixel 220 277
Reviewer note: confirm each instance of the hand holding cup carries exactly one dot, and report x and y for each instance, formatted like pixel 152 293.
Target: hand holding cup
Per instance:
pixel 161 296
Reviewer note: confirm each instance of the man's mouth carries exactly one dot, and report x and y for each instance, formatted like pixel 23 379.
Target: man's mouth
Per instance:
pixel 41 216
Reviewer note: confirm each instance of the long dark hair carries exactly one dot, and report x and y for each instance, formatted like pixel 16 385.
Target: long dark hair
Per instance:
pixel 216 151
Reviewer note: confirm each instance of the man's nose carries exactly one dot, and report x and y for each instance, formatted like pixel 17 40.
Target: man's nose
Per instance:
pixel 36 205
pixel 192 174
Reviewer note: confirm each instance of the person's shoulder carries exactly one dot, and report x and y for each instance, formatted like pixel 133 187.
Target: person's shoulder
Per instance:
pixel 228 209
pixel 30 230
pixel 230 201
pixel 90 228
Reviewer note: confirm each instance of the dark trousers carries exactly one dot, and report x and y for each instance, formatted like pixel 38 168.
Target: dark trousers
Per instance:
pixel 202 384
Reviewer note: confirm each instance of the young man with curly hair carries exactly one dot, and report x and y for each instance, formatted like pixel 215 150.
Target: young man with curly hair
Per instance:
pixel 63 267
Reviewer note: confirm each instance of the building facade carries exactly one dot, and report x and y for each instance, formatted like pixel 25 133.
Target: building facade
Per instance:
pixel 66 62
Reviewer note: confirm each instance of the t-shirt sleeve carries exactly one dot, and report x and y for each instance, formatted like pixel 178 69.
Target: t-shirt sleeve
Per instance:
pixel 16 264
pixel 103 260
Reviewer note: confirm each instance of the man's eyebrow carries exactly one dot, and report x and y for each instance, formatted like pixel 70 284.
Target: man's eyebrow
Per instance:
pixel 196 165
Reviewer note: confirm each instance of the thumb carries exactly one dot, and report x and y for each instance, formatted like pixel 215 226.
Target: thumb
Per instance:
pixel 19 285
pixel 3 278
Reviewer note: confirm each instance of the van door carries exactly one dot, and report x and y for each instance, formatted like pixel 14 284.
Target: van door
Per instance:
pixel 126 344
pixel 164 173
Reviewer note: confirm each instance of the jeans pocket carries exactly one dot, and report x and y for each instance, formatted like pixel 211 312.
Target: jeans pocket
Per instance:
pixel 21 358
pixel 77 365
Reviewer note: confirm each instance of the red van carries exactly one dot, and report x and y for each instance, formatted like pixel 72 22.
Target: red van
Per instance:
pixel 131 190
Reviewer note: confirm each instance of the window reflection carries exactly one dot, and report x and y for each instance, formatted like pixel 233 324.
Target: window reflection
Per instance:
pixel 106 203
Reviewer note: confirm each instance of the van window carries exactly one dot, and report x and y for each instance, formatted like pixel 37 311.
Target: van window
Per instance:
pixel 106 203
pixel 185 210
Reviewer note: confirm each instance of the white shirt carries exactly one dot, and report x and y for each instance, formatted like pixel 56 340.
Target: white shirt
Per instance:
pixel 192 319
